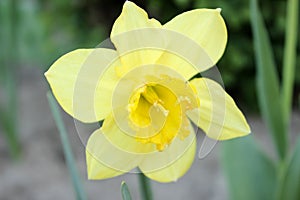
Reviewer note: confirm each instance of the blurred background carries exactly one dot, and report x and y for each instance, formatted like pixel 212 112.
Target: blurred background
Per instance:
pixel 34 33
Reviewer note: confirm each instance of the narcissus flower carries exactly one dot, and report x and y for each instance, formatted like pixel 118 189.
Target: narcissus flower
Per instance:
pixel 143 88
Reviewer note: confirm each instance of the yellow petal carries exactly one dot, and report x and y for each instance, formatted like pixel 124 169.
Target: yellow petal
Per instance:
pixel 135 58
pixel 122 137
pixel 141 41
pixel 74 81
pixel 218 115
pixel 97 170
pixel 132 33
pixel 132 18
pixel 105 90
pixel 104 160
pixel 173 162
pixel 180 64
pixel 206 27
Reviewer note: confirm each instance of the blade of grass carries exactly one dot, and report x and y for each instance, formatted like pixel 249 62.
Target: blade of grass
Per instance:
pixel 12 104
pixel 8 112
pixel 9 131
pixel 8 61
pixel 12 116
pixel 125 191
pixel 80 193
pixel 289 59
pixel 267 82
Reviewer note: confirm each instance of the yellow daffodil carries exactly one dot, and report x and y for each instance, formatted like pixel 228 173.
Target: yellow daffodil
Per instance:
pixel 143 90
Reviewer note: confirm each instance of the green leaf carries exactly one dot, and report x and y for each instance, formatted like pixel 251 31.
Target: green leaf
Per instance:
pixel 289 59
pixel 80 193
pixel 267 81
pixel 125 191
pixel 250 174
pixel 289 185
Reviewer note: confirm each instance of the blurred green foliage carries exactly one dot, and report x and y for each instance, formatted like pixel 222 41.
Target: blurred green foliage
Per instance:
pixel 8 84
pixel 268 178
pixel 238 158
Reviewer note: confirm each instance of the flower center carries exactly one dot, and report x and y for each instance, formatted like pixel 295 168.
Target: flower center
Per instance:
pixel 140 104
pixel 157 114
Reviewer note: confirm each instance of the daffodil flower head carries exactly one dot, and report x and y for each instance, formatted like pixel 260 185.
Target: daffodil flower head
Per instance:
pixel 143 88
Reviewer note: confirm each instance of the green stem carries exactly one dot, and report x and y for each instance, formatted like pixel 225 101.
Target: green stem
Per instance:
pixel 289 59
pixel 80 193
pixel 145 187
